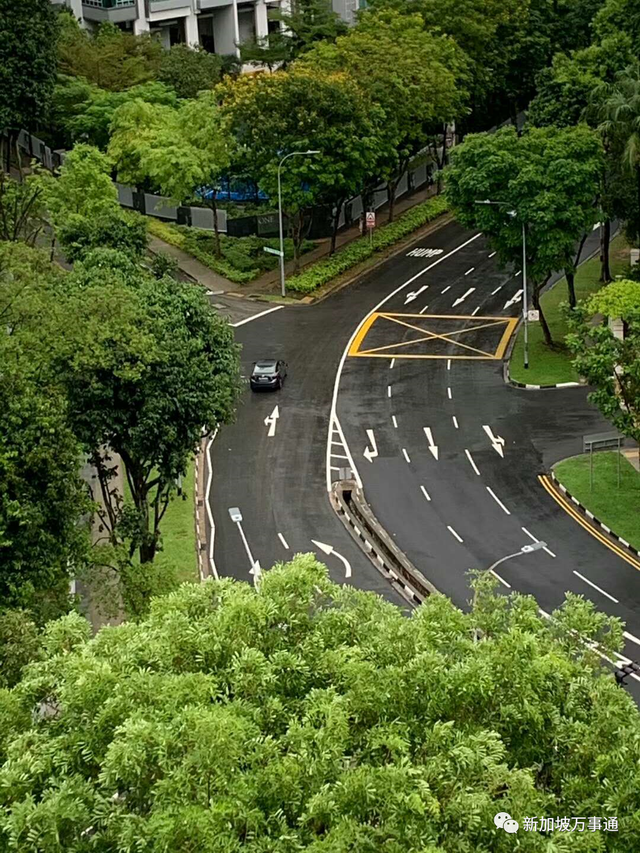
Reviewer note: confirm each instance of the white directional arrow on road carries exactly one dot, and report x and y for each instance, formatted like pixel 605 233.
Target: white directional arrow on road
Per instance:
pixel 415 293
pixel 463 297
pixel 256 571
pixel 497 442
pixel 271 421
pixel 513 300
pixel 432 446
pixel 371 454
pixel 329 549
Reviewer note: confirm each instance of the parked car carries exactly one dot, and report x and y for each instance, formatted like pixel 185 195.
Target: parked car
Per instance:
pixel 268 374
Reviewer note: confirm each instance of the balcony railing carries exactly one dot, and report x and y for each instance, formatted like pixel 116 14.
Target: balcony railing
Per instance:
pixel 108 4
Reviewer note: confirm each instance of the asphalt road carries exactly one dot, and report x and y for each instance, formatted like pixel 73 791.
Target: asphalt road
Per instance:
pixel 478 501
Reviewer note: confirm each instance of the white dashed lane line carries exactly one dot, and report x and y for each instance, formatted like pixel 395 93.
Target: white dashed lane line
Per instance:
pixel 595 586
pixel 283 540
pixel 533 539
pixel 497 500
pixel 455 422
pixel 406 455
pixel 448 287
pixel 472 463
pixel 425 493
pixel 453 533
pixel 395 422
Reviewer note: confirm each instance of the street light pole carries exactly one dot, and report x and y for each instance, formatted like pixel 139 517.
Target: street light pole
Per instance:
pixel 526 549
pixel 525 298
pixel 286 157
pixel 525 301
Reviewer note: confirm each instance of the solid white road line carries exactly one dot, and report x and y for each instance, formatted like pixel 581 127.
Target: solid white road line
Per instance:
pixel 586 580
pixel 448 287
pixel 283 540
pixel 256 316
pixel 336 385
pixel 452 531
pixel 406 455
pixel 473 464
pixel 497 500
pixel 502 580
pixel 455 422
pixel 470 271
pixel 388 390
pixel 395 422
pixel 393 361
pixel 533 539
pixel 425 493
pixel 449 393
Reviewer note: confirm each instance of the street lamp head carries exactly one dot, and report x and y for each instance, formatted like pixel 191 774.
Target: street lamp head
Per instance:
pixel 483 201
pixel 535 546
pixel 311 152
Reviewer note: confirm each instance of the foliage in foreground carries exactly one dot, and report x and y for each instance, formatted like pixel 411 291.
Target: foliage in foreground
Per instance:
pixel 314 716
pixel 355 253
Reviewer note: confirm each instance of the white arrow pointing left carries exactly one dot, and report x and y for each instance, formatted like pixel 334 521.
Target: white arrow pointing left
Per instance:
pixel 329 549
pixel 513 300
pixel 463 297
pixel 415 293
pixel 497 442
pixel 371 454
pixel 271 421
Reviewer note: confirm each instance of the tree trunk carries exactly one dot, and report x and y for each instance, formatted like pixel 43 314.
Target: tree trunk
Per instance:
pixel 570 273
pixel 605 269
pixel 546 331
pixel 571 286
pixel 296 233
pixel 392 186
pixel 334 230
pixel 216 232
pixel 638 191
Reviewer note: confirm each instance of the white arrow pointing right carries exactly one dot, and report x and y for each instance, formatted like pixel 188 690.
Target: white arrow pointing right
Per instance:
pixel 497 442
pixel 432 446
pixel 329 549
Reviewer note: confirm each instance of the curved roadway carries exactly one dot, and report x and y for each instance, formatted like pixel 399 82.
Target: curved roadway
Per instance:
pixel 455 452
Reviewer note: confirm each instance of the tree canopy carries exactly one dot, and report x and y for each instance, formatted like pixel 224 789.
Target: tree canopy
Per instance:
pixel 549 177
pixel 307 715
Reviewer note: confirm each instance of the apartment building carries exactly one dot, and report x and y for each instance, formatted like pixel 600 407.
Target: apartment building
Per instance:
pixel 218 25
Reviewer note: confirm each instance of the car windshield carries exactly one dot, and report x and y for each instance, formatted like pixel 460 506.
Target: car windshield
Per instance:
pixel 264 369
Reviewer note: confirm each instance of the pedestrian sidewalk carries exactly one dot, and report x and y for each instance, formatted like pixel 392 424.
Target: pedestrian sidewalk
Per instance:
pixel 269 283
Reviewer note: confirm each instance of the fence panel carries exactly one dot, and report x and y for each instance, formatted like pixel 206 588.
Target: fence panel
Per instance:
pixel 202 217
pixel 125 195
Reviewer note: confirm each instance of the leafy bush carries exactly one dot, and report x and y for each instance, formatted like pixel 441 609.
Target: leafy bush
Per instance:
pixel 353 254
pixel 244 258
pixel 122 230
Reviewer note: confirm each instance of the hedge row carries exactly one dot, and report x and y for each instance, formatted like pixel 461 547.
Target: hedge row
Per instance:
pixel 353 254
pixel 176 238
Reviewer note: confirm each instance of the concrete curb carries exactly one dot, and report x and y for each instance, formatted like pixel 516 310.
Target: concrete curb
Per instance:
pixel 355 513
pixel 558 485
pixel 509 381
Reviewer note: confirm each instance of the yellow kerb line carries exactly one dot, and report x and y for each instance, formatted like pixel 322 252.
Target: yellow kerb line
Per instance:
pixel 568 507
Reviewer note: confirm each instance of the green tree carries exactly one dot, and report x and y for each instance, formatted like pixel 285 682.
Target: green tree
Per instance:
pixel 303 23
pixel 28 35
pixel 549 175
pixel 611 365
pixel 83 113
pixel 312 716
pixel 125 231
pixel 182 153
pixel 145 367
pixel 109 57
pixel 620 113
pixel 300 110
pixel 619 16
pixel 189 70
pixel 83 187
pixel 19 645
pixel 42 499
pixel 409 73
pixel 22 210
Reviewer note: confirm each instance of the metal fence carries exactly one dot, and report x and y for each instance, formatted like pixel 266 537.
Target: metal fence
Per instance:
pixel 265 225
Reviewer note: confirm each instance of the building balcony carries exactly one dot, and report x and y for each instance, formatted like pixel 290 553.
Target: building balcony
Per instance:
pixel 116 11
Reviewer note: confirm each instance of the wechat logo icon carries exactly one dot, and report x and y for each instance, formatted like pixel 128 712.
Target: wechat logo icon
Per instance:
pixel 503 820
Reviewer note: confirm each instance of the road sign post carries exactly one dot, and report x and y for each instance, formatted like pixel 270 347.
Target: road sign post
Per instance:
pixel 371 223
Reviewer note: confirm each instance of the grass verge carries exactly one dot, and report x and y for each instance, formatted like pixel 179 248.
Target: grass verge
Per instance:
pixel 550 367
pixel 178 532
pixel 243 258
pixel 616 507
